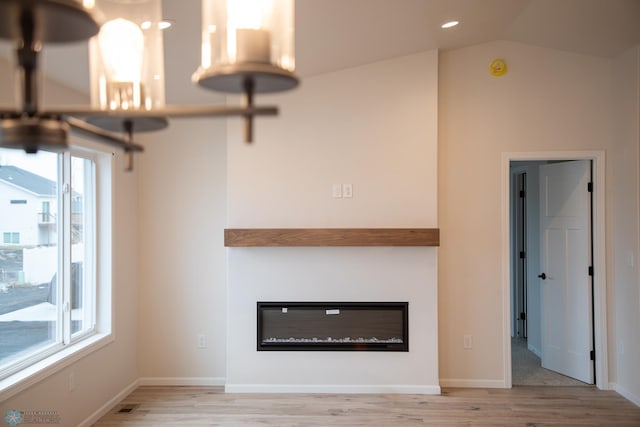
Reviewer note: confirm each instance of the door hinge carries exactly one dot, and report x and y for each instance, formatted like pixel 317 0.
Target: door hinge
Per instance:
pixel 522 194
pixel 590 187
pixel 592 355
pixel 591 271
pixel 523 316
pixel 523 255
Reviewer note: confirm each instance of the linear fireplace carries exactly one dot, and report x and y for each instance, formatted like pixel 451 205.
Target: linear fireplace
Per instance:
pixel 339 326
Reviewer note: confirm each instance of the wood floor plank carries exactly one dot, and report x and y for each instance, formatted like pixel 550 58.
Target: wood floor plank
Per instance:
pixel 520 406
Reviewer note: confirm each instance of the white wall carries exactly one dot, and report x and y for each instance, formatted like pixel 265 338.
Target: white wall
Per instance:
pixel 623 215
pixel 374 127
pixel 338 274
pixel 182 205
pixel 549 100
pixel 105 373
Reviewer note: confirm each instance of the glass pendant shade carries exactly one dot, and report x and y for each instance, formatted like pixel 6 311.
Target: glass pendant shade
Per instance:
pixel 127 56
pixel 59 21
pixel 247 40
pixel 247 47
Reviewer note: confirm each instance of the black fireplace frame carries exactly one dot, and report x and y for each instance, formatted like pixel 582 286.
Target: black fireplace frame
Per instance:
pixel 335 346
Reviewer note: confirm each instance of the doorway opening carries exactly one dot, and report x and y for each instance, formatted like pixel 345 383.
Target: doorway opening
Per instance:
pixel 535 313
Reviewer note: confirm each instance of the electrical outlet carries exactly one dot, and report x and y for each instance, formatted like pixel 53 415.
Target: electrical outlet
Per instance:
pixel 468 342
pixel 202 341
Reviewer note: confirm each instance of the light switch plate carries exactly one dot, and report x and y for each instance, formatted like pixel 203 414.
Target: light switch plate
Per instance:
pixel 336 191
pixel 347 191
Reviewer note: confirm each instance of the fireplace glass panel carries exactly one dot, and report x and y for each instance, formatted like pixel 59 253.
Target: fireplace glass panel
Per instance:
pixel 333 326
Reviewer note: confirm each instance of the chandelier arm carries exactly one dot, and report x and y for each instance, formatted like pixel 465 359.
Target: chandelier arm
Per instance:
pixel 168 111
pixel 249 87
pixel 196 111
pixel 128 153
pixel 104 136
pixel 7 111
pixel 27 53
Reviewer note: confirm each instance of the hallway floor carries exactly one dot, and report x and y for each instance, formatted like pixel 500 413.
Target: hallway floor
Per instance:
pixel 526 368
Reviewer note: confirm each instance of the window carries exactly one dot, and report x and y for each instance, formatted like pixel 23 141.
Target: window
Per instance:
pixel 45 215
pixel 11 238
pixel 18 202
pixel 49 289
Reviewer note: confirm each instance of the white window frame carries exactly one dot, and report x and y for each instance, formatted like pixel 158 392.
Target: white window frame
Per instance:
pixel 9 238
pixel 73 348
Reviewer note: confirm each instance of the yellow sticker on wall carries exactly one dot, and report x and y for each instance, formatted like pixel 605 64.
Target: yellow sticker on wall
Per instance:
pixel 498 67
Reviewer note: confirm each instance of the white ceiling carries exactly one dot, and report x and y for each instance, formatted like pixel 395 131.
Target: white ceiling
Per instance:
pixel 337 34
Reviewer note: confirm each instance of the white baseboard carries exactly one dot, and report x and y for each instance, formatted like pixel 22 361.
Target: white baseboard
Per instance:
pixel 462 383
pixel 111 403
pixel 338 389
pixel 183 381
pixel 626 394
pixel 534 350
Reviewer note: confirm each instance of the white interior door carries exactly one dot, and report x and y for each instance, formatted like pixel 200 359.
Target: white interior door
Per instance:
pixel 565 258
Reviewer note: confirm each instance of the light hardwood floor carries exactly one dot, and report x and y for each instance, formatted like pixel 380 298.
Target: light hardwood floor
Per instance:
pixel 520 406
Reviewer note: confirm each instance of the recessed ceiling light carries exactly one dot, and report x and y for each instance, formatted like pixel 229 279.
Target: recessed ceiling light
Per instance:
pixel 449 24
pixel 165 23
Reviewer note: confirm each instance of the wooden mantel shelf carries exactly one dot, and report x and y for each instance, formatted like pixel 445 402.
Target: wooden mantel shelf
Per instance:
pixel 245 237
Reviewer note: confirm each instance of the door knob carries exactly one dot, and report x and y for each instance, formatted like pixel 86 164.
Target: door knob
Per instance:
pixel 542 276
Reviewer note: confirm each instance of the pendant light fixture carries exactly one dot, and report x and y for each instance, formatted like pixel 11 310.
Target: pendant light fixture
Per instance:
pixel 247 48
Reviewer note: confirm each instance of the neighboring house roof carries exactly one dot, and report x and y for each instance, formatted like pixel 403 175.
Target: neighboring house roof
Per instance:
pixel 28 181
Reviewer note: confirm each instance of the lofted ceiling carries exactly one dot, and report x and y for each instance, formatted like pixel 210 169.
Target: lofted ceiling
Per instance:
pixel 338 34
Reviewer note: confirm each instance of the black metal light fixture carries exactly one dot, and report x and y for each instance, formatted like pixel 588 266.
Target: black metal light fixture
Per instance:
pixel 247 48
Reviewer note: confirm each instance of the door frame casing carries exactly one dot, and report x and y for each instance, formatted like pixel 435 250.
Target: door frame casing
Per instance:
pixel 599 255
pixel 514 192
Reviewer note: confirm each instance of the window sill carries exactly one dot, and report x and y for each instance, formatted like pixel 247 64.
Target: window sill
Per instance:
pixel 39 371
